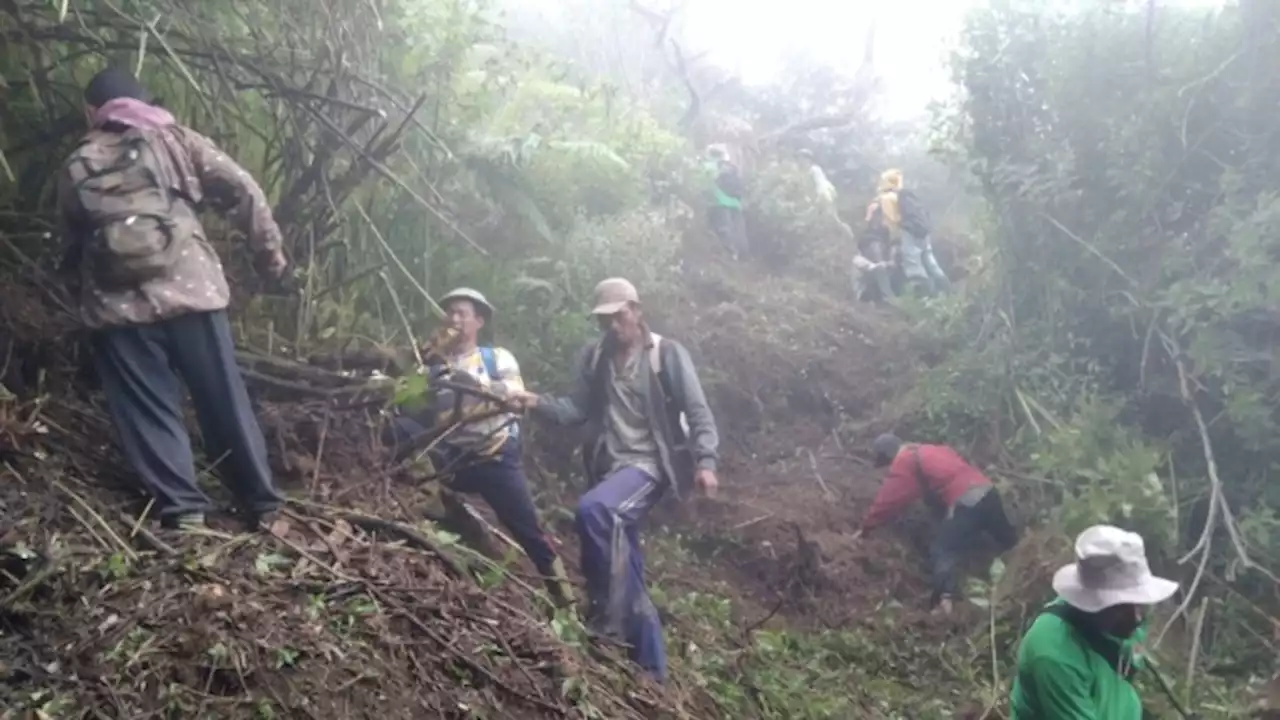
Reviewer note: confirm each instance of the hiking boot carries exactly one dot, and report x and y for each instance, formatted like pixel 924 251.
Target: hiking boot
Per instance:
pixel 184 522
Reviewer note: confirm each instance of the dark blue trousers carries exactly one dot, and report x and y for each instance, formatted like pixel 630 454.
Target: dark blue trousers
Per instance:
pixel 500 481
pixel 142 369
pixel 960 533
pixel 502 484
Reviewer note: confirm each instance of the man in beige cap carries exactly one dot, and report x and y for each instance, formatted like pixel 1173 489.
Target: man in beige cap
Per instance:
pixel 650 430
pixel 1077 659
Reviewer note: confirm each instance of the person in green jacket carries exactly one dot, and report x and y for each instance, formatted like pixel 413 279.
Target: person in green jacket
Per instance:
pixel 725 212
pixel 1077 659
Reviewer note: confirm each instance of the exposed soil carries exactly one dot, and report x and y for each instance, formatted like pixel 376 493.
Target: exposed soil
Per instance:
pixel 339 612
pixel 340 616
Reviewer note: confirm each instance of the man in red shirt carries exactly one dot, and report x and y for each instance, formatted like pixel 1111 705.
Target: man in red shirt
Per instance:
pixel 959 494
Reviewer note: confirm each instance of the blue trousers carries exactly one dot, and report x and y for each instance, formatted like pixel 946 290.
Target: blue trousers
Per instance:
pixel 501 481
pixel 960 533
pixel 613 565
pixel 921 266
pixel 502 484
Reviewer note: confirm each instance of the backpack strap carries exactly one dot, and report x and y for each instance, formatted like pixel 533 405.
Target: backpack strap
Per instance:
pixel 599 379
pixel 489 357
pixel 664 381
pixel 655 362
pixel 490 360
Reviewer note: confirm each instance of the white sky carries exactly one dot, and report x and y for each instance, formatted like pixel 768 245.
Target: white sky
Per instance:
pixel 752 38
pixel 912 40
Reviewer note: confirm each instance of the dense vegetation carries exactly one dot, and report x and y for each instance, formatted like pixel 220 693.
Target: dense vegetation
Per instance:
pixel 1106 174
pixel 1130 302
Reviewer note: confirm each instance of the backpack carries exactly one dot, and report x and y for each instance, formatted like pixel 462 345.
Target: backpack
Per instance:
pixel 682 461
pixel 124 183
pixel 730 181
pixel 490 360
pixel 915 218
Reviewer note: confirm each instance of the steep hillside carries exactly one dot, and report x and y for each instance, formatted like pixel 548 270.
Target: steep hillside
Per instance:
pixel 770 603
pixel 351 608
pixel 357 601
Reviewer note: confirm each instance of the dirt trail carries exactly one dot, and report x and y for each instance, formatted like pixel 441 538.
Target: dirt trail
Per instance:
pixel 798 378
pixel 801 381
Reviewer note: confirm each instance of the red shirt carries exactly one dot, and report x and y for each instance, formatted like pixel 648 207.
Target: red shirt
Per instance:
pixel 942 469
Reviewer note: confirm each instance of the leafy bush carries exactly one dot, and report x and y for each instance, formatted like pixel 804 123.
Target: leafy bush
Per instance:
pixel 543 301
pixel 791 227
pixel 1125 322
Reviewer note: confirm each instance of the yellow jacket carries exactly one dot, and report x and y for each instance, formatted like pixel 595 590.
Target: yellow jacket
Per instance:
pixel 887 200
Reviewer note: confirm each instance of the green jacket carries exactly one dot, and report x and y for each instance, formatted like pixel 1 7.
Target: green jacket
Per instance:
pixel 1060 677
pixel 721 198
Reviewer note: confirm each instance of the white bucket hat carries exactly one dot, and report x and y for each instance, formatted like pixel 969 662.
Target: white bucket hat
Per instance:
pixel 1110 569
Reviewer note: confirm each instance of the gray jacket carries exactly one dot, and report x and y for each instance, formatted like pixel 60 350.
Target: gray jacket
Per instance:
pixel 679 455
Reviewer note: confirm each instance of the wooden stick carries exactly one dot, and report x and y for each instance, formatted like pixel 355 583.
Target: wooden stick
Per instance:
pixel 813 463
pixel 749 523
pixel 324 433
pixel 98 518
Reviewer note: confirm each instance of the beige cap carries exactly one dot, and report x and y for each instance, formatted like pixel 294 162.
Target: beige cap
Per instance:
pixel 612 295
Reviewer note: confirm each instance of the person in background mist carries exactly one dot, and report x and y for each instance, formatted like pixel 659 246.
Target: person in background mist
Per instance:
pixel 961 497
pixel 873 259
pixel 902 216
pixel 1079 656
pixel 152 291
pixel 486 449
pixel 822 187
pixel 725 210
pixel 880 289
pixel 869 258
pixel 636 392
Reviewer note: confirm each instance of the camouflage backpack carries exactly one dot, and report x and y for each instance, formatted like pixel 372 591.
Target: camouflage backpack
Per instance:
pixel 125 184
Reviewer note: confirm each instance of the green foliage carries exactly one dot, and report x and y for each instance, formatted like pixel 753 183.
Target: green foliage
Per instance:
pixel 1109 474
pixel 1127 275
pixel 504 149
pixel 792 228
pixel 542 300
pixel 777 672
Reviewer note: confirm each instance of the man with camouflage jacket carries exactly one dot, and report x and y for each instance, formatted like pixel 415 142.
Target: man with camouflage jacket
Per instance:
pixel 151 289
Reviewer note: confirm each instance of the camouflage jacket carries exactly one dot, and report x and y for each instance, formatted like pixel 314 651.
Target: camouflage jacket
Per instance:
pixel 196 282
